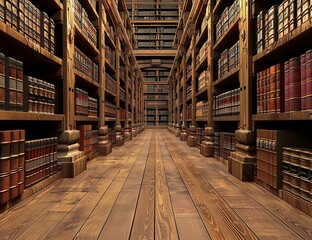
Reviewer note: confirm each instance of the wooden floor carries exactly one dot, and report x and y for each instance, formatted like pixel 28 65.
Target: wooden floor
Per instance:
pixel 154 187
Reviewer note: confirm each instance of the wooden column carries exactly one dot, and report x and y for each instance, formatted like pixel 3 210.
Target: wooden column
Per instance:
pixel 127 135
pixel 178 84
pixel 104 145
pixel 191 140
pixel 71 159
pixel 119 137
pixel 207 146
pixel 174 126
pixel 134 79
pixel 169 106
pixel 183 135
pixel 137 89
pixel 142 105
pixel 242 161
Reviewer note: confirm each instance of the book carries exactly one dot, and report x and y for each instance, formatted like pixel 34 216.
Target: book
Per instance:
pixel 2 82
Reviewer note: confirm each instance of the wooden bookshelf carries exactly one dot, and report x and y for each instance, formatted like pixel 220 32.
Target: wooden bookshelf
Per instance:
pixel 227 79
pixel 85 80
pixel 288 116
pixel 84 42
pixel 226 119
pixel 29 116
pixel 86 119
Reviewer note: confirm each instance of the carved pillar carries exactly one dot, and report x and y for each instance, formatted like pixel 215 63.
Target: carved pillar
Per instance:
pixel 242 161
pixel 127 135
pixel 174 126
pixel 104 145
pixel 119 137
pixel 134 86
pixel 169 105
pixel 137 89
pixel 183 135
pixel 207 146
pixel 178 124
pixel 72 161
pixel 191 140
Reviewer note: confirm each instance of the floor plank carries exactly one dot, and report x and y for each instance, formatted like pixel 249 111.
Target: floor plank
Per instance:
pixel 154 187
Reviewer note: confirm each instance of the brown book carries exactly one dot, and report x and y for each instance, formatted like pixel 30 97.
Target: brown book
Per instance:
pixel 267 90
pixel 309 79
pixel 294 84
pixel 2 82
pixel 272 92
pixel 287 87
pixel 280 99
pixel 19 86
pixel 10 84
pixel 303 81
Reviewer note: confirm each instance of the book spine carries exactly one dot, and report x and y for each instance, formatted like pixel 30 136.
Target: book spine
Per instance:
pixel 11 84
pixel 309 80
pixel 19 86
pixel 294 84
pixel 2 82
pixel 272 92
pixel 287 87
pixel 303 81
pixel 280 99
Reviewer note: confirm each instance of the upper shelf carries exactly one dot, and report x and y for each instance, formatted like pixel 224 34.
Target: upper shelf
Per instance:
pixel 289 116
pixel 109 41
pixel 227 80
pixel 224 42
pixel 85 80
pixel 92 13
pixel 48 6
pixel 234 118
pixel 16 45
pixel 85 43
pixel 202 38
pixel 86 119
pixel 220 5
pixel 28 116
pixel 202 65
pixel 287 46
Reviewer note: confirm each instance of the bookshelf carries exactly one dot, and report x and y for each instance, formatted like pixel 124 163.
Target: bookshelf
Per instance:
pixel 258 62
pixel 54 58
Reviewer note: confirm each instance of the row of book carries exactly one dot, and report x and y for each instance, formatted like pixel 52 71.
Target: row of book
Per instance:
pixel 227 104
pixel 201 54
pixel 40 160
pixel 110 56
pixel 110 109
pixel 11 84
pixel 24 17
pixel 286 87
pixel 85 65
pixel 200 135
pixel 202 109
pixel 224 144
pixel 110 84
pixel 85 105
pixel 202 80
pixel 189 110
pixel 268 163
pixel 40 96
pixel 280 20
pixel 228 16
pixel 12 163
pixel 189 92
pixel 229 60
pixel 83 21
pixel 88 141
pixel 297 172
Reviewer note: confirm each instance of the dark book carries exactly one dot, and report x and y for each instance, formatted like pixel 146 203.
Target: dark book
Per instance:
pixel 294 84
pixel 303 81
pixel 10 84
pixel 19 86
pixel 2 82
pixel 280 98
pixel 309 79
pixel 287 87
pixel 272 92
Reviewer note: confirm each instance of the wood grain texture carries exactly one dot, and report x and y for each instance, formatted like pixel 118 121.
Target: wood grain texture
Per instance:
pixel 165 226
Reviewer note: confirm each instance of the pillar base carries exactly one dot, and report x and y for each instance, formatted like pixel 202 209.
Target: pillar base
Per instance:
pixel 183 136
pixel 242 167
pixel 104 146
pixel 134 132
pixel 127 135
pixel 72 161
pixel 177 132
pixel 207 149
pixel 120 141
pixel 191 141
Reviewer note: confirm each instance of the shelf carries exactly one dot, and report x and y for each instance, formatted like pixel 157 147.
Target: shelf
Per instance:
pixel 287 46
pixel 86 119
pixel 220 5
pixel 202 65
pixel 188 57
pixel 188 120
pixel 82 78
pixel 202 119
pixel 155 21
pixel 122 61
pixel 85 43
pixel 227 80
pixel 18 46
pixel 109 67
pixel 189 99
pixel 203 36
pixel 109 40
pixel 226 119
pixel 92 14
pixel 224 42
pixel 188 79
pixel 48 6
pixel 202 93
pixel 29 116
pixel 110 93
pixel 110 119
pixel 289 116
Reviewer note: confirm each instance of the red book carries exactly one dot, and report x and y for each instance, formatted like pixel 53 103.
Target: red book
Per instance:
pixel 19 86
pixel 303 81
pixel 287 86
pixel 294 84
pixel 309 80
pixel 272 92
pixel 2 81
pixel 280 88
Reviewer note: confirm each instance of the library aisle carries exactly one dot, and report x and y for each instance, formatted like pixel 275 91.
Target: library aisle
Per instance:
pixel 154 188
